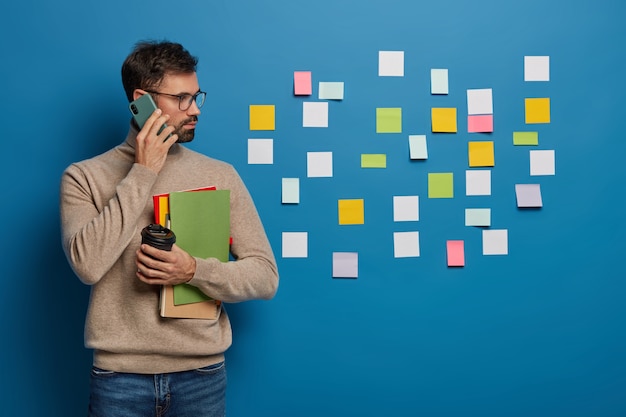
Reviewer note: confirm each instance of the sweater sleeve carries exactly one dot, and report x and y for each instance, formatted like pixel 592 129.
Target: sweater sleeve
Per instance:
pixel 98 224
pixel 253 274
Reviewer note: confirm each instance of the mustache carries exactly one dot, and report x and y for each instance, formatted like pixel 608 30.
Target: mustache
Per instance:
pixel 192 119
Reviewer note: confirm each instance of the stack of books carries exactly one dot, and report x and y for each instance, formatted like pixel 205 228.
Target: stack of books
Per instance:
pixel 200 218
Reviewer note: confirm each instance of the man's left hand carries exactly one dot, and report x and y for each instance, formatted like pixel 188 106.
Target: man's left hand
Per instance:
pixel 160 267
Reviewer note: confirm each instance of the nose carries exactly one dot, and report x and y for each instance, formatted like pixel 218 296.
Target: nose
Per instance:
pixel 193 110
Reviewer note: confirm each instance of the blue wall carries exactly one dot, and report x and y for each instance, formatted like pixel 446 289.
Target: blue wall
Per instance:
pixel 537 332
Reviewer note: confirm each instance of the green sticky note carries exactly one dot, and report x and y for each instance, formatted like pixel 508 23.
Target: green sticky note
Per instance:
pixel 441 185
pixel 525 138
pixel 330 91
pixel 201 222
pixel 291 191
pixel 389 120
pixel 373 160
pixel 478 217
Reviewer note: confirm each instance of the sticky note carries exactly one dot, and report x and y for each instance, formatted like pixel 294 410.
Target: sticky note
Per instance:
pixel 295 244
pixel 441 185
pixel 481 154
pixel 495 242
pixel 391 63
pixel 373 160
pixel 443 120
pixel 542 162
pixel 330 91
pixel 406 208
pixel 291 191
pixel 480 101
pixel 417 147
pixel 537 110
pixel 315 114
pixel 262 117
pixel 260 151
pixel 536 68
pixel 478 217
pixel 345 265
pixel 438 81
pixel 351 211
pixel 319 164
pixel 528 195
pixel 480 123
pixel 478 182
pixel 389 120
pixel 525 138
pixel 455 252
pixel 406 245
pixel 302 85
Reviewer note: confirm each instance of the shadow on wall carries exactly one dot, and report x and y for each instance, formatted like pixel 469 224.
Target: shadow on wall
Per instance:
pixel 55 338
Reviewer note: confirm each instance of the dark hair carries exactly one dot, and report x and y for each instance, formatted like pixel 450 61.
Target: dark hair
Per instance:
pixel 150 61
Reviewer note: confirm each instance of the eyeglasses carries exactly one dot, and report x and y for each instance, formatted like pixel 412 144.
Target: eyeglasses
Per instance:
pixel 185 100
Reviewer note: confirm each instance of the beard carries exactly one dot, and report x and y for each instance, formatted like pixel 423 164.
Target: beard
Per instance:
pixel 185 135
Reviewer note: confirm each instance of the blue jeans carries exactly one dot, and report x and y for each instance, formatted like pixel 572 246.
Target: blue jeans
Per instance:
pixel 196 393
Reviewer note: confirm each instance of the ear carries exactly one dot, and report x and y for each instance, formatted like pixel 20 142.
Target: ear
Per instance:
pixel 138 93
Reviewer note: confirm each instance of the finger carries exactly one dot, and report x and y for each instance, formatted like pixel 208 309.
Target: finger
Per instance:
pixel 154 253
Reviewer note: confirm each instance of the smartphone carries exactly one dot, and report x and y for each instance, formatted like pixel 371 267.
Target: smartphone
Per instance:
pixel 142 108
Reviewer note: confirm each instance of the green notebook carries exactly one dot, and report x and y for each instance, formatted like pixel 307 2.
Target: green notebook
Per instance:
pixel 201 222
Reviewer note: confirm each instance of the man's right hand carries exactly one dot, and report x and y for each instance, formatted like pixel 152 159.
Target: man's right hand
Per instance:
pixel 152 147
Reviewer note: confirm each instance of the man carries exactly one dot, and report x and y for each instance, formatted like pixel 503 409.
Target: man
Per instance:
pixel 146 365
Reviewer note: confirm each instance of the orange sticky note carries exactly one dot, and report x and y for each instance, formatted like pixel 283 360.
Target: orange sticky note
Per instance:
pixel 262 117
pixel 456 252
pixel 537 110
pixel 302 85
pixel 351 211
pixel 443 119
pixel 481 154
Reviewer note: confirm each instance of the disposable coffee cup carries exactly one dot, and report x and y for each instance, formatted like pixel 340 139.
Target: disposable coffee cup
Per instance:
pixel 158 237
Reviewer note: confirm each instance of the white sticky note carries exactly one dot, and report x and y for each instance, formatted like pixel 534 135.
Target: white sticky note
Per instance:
pixel 495 242
pixel 528 195
pixel 478 217
pixel 406 208
pixel 406 245
pixel 438 81
pixel 480 101
pixel 345 265
pixel 330 91
pixel 315 114
pixel 319 164
pixel 291 191
pixel 391 63
pixel 536 68
pixel 295 244
pixel 478 182
pixel 542 162
pixel 260 151
pixel 417 147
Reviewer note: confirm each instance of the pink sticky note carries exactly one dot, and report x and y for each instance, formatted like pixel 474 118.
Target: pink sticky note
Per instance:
pixel 456 252
pixel 302 83
pixel 480 124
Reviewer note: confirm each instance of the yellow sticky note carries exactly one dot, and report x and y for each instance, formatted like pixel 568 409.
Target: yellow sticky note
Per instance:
pixel 481 154
pixel 389 120
pixel 262 117
pixel 351 211
pixel 443 119
pixel 537 110
pixel 441 185
pixel 373 160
